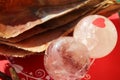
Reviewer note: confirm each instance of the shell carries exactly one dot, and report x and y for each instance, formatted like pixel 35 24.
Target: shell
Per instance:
pixel 19 16
pixel 19 21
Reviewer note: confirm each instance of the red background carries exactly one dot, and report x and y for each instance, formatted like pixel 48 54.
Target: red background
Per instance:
pixel 106 68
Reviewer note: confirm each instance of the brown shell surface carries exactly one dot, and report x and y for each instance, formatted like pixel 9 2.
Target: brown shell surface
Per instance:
pixel 17 17
pixel 25 25
pixel 33 45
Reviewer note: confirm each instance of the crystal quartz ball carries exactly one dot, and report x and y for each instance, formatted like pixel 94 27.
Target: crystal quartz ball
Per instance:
pixel 98 33
pixel 65 59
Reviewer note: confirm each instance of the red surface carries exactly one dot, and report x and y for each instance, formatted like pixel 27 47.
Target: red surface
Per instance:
pixel 100 22
pixel 107 68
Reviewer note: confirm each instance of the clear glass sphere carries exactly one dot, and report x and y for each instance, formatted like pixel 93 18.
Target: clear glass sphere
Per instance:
pixel 65 59
pixel 98 33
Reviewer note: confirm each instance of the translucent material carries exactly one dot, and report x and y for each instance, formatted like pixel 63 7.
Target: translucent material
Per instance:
pixel 65 59
pixel 98 33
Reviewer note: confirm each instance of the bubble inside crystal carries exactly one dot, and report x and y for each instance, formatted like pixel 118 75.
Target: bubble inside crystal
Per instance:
pixel 65 59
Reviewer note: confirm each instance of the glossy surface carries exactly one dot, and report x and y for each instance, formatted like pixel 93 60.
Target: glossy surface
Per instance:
pixel 65 59
pixel 98 34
